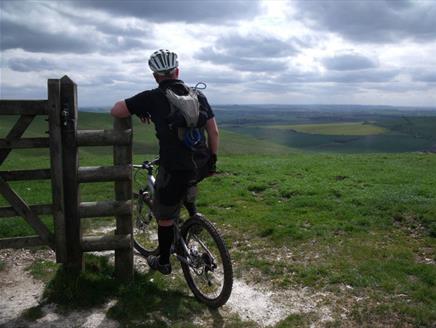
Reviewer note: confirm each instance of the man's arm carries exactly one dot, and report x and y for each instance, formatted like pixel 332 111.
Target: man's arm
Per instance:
pixel 212 135
pixel 120 109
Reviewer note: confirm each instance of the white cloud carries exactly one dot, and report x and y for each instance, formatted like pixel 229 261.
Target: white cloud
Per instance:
pixel 277 52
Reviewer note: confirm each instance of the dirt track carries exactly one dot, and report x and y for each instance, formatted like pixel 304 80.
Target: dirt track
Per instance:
pixel 19 291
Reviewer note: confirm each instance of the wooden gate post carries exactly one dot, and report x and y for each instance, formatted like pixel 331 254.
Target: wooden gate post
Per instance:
pixel 123 192
pixel 57 183
pixel 70 161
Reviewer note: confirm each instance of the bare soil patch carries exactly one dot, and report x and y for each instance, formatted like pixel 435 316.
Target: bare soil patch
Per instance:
pixel 253 303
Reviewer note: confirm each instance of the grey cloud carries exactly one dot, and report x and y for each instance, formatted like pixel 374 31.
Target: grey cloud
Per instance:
pixel 348 62
pixel 253 53
pixel 111 27
pixel 18 36
pixel 23 91
pixel 106 79
pixel 76 34
pixel 268 86
pixel 373 21
pixel 210 78
pixel 341 77
pixel 256 46
pixel 28 64
pixel 30 39
pixel 172 11
pixel 424 76
pixel 361 76
pixel 121 30
pixel 401 87
pixel 298 77
pixel 240 63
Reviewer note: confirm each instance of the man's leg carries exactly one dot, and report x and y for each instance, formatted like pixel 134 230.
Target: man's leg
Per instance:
pixel 166 208
pixel 190 198
pixel 165 234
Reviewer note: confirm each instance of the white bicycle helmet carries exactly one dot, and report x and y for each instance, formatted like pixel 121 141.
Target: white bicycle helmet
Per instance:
pixel 163 61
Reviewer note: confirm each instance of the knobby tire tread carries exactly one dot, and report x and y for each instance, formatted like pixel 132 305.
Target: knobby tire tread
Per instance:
pixel 226 261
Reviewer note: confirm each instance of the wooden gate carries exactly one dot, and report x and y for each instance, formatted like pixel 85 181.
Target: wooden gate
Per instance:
pixel 27 110
pixel 66 176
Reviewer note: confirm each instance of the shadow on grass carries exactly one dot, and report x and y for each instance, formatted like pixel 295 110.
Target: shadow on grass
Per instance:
pixel 152 300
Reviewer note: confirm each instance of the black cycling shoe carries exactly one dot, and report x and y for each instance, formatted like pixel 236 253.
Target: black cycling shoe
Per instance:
pixel 154 264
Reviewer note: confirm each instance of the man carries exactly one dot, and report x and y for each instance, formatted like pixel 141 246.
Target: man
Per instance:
pixel 185 156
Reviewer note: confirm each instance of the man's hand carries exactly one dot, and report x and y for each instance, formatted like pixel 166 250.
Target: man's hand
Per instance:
pixel 145 119
pixel 212 164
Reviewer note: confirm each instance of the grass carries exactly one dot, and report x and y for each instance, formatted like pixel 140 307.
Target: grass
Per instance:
pixel 296 320
pixel 319 220
pixel 33 313
pixel 43 270
pixel 357 220
pixel 345 128
pixel 365 221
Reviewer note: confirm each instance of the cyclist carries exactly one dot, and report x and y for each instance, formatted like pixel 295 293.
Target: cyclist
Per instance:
pixel 186 157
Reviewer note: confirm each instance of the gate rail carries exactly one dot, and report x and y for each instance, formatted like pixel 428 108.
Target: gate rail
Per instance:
pixel 66 176
pixel 27 110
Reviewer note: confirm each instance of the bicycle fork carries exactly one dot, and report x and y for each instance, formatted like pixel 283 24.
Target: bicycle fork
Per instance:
pixel 193 258
pixel 179 242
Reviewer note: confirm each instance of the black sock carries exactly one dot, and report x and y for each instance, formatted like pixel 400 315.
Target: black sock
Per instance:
pixel 165 236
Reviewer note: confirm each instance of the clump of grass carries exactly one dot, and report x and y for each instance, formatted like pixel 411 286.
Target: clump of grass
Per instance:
pixel 2 265
pixel 257 188
pixel 90 288
pixel 33 313
pixel 43 270
pixel 297 320
pixel 152 299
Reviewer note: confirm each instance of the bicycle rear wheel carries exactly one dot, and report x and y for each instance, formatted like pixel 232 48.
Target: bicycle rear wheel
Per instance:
pixel 145 225
pixel 209 273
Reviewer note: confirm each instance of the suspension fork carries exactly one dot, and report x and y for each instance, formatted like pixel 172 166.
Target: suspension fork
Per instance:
pixel 179 244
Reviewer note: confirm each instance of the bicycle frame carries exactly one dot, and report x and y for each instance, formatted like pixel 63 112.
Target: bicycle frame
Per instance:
pixel 151 180
pixel 198 262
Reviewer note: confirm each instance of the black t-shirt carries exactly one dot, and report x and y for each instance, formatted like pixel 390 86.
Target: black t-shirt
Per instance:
pixel 154 104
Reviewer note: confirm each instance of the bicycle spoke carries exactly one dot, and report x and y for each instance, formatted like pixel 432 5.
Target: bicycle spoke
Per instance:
pixel 209 276
pixel 145 225
pixel 203 245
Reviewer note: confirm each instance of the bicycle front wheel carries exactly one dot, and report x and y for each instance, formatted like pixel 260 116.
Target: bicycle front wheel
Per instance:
pixel 145 225
pixel 209 272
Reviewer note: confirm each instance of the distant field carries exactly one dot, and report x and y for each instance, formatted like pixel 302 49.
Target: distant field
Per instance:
pixel 337 132
pixel 344 129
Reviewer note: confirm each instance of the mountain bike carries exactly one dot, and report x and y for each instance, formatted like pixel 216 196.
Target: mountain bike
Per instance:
pixel 202 253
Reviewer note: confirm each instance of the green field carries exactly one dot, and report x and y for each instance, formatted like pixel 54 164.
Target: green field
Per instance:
pixel 361 227
pixel 344 131
pixel 345 128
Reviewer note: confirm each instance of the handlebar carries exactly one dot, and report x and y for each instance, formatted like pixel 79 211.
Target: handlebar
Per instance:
pixel 147 164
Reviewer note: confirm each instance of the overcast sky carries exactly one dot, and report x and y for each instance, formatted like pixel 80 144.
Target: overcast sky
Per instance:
pixel 248 52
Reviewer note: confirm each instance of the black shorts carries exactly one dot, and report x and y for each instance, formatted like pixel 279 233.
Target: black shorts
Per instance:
pixel 172 189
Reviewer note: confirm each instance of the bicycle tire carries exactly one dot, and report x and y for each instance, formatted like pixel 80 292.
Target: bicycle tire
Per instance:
pixel 145 238
pixel 220 254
